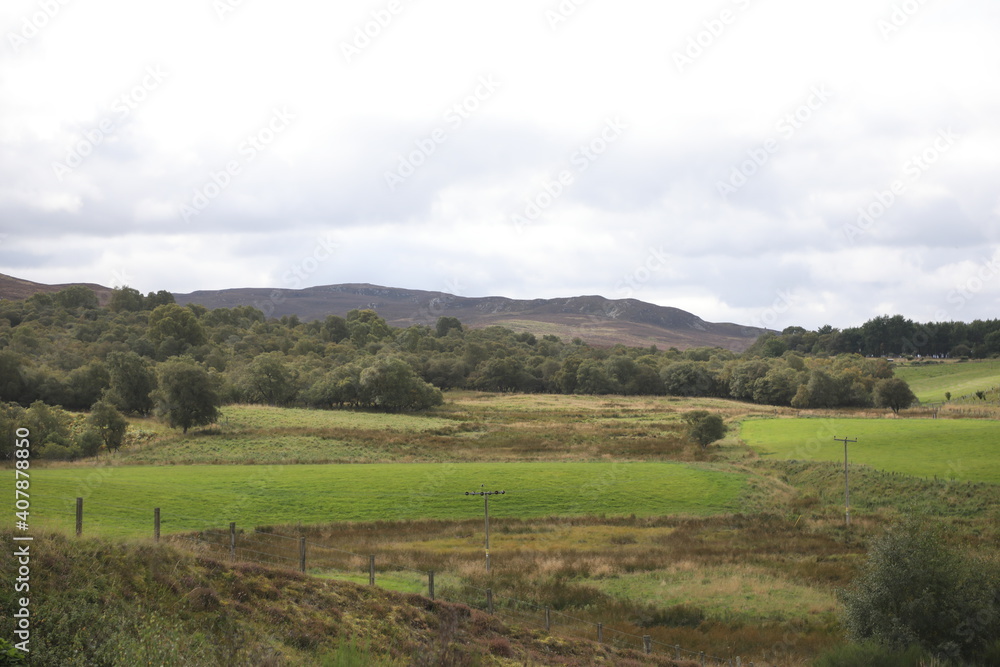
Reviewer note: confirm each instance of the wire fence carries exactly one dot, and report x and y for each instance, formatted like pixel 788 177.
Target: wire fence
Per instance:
pixel 271 549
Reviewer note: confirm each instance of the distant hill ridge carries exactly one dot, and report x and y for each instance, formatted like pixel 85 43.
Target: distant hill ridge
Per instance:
pixel 594 319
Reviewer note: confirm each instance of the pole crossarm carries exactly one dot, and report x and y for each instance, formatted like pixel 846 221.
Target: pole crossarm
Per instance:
pixel 486 510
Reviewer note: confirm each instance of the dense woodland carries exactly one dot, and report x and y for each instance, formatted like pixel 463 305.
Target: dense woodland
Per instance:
pixel 142 355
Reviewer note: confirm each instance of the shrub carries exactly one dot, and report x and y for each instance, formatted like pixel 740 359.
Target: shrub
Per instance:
pixel 704 427
pixel 500 647
pixel 914 591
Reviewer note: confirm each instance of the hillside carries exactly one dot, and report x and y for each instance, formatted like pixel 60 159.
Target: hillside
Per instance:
pixel 931 381
pixel 103 602
pixel 595 319
pixel 16 288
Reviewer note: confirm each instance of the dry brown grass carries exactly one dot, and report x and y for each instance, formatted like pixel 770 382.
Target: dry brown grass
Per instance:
pixel 761 586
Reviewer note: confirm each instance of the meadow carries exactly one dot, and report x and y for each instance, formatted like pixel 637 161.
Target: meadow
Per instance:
pixel 610 514
pixel 929 381
pixel 470 427
pixel 120 500
pixel 960 449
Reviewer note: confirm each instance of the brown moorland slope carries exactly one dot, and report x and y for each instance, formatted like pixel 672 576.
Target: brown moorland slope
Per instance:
pixel 594 319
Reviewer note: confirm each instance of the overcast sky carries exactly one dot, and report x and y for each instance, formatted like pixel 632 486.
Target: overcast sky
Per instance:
pixel 772 162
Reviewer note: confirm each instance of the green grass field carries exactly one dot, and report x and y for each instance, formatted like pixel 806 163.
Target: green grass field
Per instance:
pixel 930 382
pixel 120 500
pixel 946 448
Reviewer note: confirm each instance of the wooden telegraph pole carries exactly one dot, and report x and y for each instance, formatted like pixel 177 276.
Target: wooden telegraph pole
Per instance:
pixel 486 509
pixel 847 487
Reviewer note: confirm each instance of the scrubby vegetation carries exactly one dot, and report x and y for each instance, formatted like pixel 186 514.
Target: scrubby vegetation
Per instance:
pixel 632 499
pixel 107 603
pixel 148 355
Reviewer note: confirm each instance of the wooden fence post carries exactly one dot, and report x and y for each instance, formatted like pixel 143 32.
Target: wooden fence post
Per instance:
pixel 371 570
pixel 79 517
pixel 156 524
pixel 548 619
pixel 489 600
pixel 302 554
pixel 232 540
pixel 600 633
pixel 647 644
pixel 702 656
pixel 677 651
pixel 430 584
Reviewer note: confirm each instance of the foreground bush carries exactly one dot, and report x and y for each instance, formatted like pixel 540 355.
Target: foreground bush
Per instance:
pixel 915 591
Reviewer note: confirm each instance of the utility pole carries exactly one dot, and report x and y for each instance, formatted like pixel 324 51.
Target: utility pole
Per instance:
pixel 486 509
pixel 847 487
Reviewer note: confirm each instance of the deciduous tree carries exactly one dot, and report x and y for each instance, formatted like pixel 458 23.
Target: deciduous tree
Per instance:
pixel 109 423
pixel 187 395
pixel 894 393
pixel 130 383
pixel 704 427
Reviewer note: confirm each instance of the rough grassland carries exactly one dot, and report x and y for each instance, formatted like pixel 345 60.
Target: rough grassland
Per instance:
pixel 108 603
pixel 946 448
pixel 930 382
pixel 121 500
pixel 470 427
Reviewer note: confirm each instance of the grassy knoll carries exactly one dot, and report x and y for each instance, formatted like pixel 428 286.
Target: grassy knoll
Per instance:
pixel 947 448
pixel 121 499
pixel 930 381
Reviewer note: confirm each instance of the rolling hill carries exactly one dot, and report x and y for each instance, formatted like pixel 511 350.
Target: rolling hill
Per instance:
pixel 17 288
pixel 594 319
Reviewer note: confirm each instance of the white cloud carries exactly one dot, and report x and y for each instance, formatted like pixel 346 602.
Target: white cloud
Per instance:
pixel 167 139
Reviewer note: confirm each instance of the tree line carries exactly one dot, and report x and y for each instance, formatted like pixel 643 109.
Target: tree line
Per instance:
pixel 143 355
pixel 890 336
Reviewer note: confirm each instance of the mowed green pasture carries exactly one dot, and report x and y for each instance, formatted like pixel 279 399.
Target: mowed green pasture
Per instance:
pixel 120 500
pixel 930 382
pixel 961 449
